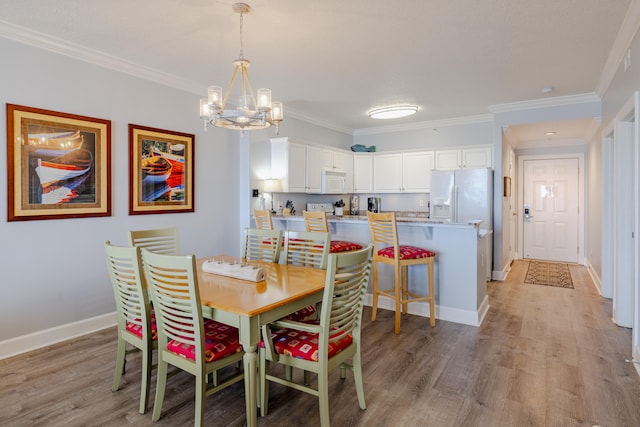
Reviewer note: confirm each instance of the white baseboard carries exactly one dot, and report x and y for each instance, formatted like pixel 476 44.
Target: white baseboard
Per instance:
pixel 596 280
pixel 36 340
pixel 450 314
pixel 501 275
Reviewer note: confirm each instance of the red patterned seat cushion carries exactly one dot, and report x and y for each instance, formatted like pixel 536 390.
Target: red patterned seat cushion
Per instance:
pixel 136 329
pixel 406 252
pixel 342 246
pixel 306 313
pixel 220 341
pixel 304 345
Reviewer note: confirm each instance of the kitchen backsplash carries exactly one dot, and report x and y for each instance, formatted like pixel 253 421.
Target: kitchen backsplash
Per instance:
pixel 414 202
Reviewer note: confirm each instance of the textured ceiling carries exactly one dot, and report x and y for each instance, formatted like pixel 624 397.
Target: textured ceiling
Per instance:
pixel 333 60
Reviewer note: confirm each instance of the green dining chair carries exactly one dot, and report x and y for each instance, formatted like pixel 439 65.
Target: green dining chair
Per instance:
pixel 135 320
pixel 262 245
pixel 160 240
pixel 186 341
pixel 324 344
pixel 307 248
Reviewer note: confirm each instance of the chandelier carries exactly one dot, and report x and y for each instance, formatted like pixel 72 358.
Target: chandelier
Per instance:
pixel 252 111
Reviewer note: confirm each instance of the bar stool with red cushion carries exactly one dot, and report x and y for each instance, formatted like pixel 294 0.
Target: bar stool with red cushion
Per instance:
pixel 384 236
pixel 317 221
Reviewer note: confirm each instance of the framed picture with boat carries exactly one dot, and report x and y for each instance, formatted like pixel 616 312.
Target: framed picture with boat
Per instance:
pixel 160 171
pixel 58 165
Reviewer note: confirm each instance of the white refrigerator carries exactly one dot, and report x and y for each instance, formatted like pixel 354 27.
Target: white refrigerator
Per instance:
pixel 463 195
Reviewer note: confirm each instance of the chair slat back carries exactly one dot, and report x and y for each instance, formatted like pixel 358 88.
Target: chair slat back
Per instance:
pixel 315 221
pixel 129 287
pixel 262 245
pixel 173 286
pixel 345 287
pixel 161 240
pixel 263 219
pixel 384 231
pixel 307 248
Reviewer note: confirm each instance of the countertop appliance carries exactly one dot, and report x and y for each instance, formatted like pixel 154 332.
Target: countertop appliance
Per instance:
pixel 373 204
pixel 320 207
pixel 463 195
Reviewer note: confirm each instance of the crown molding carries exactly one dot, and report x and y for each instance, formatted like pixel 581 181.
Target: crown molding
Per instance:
pixel 622 43
pixel 102 59
pixel 314 121
pixel 557 101
pixel 457 121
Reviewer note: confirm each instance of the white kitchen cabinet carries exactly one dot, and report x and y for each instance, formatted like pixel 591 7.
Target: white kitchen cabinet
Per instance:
pixel 298 166
pixel 314 169
pixel 362 173
pixel 481 157
pixel 408 172
pixel 465 158
pixel 387 173
pixel 289 165
pixel 416 171
pixel 338 160
pixel 448 159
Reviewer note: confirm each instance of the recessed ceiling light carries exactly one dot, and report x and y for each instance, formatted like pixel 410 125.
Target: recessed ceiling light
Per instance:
pixel 547 89
pixel 549 133
pixel 394 112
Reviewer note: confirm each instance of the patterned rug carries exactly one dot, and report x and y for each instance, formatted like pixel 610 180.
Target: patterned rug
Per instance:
pixel 549 274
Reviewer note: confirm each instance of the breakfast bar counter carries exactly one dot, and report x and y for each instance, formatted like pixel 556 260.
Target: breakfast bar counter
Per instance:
pixel 463 258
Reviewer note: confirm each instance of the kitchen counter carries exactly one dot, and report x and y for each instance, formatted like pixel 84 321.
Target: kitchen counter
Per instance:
pixel 404 217
pixel 463 257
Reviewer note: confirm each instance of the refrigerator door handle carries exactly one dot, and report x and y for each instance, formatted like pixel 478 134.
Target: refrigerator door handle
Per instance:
pixel 454 205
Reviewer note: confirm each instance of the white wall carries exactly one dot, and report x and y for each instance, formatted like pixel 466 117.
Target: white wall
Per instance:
pixel 53 272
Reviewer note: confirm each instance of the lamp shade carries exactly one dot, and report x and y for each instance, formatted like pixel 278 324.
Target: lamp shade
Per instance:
pixel 271 185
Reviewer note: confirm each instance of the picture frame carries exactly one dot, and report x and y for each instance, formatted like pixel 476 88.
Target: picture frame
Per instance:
pixel 58 165
pixel 507 186
pixel 161 171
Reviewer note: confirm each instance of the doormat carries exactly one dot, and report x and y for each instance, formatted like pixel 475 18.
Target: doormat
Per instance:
pixel 549 274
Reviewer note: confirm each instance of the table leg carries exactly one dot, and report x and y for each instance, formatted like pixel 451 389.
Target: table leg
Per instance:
pixel 250 360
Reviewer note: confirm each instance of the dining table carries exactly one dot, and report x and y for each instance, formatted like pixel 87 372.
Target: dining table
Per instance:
pixel 249 305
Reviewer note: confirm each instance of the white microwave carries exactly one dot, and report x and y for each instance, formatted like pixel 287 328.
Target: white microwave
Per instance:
pixel 333 182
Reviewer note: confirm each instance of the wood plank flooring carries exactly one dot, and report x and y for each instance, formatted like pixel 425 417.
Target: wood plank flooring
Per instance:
pixel 544 356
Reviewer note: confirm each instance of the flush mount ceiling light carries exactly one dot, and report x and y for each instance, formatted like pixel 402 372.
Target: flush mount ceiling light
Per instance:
pixel 394 112
pixel 252 112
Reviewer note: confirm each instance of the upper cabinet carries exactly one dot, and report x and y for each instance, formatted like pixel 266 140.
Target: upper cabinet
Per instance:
pixel 342 161
pixel 408 172
pixel 416 171
pixel 289 164
pixel 466 158
pixel 314 169
pixel 387 173
pixel 362 173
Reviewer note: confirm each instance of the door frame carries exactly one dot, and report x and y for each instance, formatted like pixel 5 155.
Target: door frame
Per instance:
pixel 581 200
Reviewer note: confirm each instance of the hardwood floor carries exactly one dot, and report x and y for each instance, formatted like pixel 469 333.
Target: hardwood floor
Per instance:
pixel 544 356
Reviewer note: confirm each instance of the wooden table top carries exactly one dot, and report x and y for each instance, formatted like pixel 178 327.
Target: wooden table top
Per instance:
pixel 284 283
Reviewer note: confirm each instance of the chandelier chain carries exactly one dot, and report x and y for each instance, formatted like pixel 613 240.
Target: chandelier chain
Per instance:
pixel 241 36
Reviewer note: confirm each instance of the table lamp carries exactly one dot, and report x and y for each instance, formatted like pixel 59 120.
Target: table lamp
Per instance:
pixel 271 185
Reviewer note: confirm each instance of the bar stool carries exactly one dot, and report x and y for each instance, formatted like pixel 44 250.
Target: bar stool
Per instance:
pixel 384 236
pixel 317 221
pixel 263 219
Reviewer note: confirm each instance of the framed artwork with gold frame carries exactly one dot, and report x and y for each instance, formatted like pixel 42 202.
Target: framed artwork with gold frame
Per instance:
pixel 160 171
pixel 58 165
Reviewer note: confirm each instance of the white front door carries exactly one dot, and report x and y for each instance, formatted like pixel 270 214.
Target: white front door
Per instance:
pixel 550 209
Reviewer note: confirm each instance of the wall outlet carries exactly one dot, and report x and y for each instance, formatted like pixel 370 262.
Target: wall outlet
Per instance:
pixel 421 203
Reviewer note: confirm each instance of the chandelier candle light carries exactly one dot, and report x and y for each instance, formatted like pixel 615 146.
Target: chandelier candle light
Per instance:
pixel 252 112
